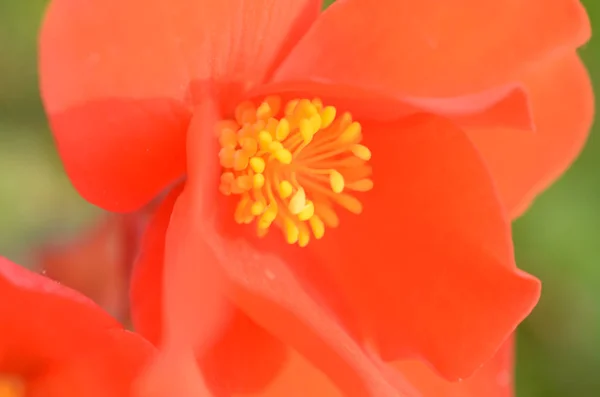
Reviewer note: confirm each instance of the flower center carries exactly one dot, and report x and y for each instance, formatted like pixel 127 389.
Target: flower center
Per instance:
pixel 292 165
pixel 11 386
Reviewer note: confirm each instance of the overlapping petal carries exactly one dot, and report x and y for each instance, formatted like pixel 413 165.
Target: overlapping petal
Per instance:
pixel 524 164
pixel 117 80
pixel 30 303
pixel 60 342
pixel 433 48
pixel 243 358
pixel 108 369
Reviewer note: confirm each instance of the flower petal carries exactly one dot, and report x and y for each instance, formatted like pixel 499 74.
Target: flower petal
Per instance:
pixel 428 266
pixel 120 153
pixel 504 106
pixel 243 358
pixel 433 48
pixel 29 302
pixel 494 379
pixel 118 80
pixel 299 378
pixel 272 296
pixel 563 108
pixel 107 370
pixel 269 294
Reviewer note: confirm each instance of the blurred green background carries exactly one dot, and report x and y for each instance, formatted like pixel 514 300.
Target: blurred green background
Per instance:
pixel 558 239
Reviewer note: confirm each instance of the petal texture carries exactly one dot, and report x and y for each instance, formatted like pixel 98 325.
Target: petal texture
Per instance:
pixel 524 164
pixel 433 48
pixel 117 80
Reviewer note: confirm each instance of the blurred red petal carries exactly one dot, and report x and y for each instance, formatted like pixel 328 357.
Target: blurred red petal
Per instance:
pixel 524 164
pixel 109 369
pixel 29 303
pixel 494 379
pixel 433 48
pixel 118 81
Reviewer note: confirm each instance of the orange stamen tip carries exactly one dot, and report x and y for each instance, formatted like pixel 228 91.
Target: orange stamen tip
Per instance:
pixel 292 164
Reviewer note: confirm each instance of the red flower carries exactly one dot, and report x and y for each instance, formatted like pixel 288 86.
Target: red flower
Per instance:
pixel 407 182
pixel 55 342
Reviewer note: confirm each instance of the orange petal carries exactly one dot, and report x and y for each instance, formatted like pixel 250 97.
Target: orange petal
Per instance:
pixel 243 357
pixel 433 48
pixel 524 164
pixel 117 80
pixel 428 267
pixel 494 379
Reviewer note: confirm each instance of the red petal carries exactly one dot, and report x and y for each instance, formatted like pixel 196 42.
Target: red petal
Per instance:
pixel 494 379
pixel 425 271
pixel 433 48
pixel 271 295
pixel 563 108
pixel 116 80
pixel 120 153
pixel 244 357
pixel 506 106
pixel 428 266
pixel 108 370
pixel 28 304
pixel 266 290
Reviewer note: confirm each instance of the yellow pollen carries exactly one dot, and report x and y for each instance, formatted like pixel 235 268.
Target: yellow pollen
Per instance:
pixel 293 165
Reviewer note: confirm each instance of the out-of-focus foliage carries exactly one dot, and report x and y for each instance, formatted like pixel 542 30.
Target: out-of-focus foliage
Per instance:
pixel 557 240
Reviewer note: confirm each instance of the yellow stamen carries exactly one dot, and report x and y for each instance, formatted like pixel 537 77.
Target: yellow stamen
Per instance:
pixel 292 165
pixel 257 164
pixel 336 180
